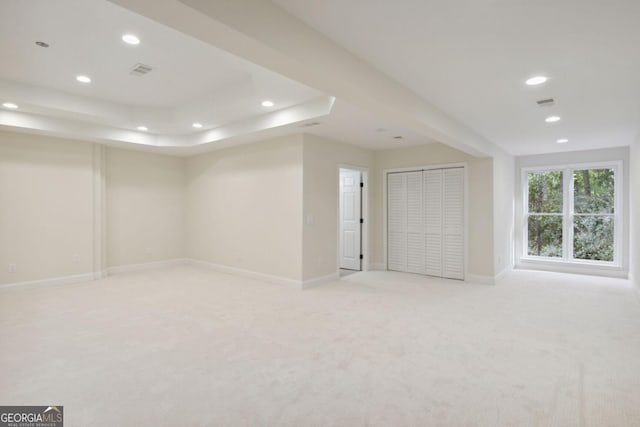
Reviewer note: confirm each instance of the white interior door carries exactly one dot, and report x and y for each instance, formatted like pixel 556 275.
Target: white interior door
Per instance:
pixel 350 215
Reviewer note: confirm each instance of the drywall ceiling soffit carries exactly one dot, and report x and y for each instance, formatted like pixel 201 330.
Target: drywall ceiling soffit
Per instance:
pixel 247 130
pixel 263 33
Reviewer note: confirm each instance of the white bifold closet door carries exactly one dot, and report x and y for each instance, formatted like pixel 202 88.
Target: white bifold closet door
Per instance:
pixel 425 222
pixel 397 221
pixel 453 223
pixel 433 221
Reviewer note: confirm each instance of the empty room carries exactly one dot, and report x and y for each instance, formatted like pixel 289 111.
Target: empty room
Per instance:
pixel 319 213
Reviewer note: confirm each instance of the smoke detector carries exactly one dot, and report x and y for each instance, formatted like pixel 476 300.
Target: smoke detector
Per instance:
pixel 140 69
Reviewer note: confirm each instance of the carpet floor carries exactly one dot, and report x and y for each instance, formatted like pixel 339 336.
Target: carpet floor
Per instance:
pixel 186 346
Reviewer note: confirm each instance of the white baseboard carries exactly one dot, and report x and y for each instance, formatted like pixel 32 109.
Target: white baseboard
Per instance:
pixel 635 283
pixel 279 280
pixel 317 281
pixel 64 280
pixel 145 266
pixel 501 274
pixel 100 275
pixel 87 277
pixel 480 279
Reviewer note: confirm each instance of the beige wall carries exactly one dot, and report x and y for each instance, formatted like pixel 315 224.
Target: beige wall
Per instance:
pixel 46 207
pixel 244 207
pixel 322 159
pixel 145 208
pixel 503 210
pixel 479 196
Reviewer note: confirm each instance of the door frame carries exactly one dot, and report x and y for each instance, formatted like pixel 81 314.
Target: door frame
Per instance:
pixel 364 212
pixel 465 168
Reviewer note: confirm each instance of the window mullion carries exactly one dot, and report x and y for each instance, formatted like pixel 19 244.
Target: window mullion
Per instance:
pixel 567 222
pixel 525 204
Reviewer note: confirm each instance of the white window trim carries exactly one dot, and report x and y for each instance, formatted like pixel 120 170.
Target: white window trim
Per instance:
pixel 567 215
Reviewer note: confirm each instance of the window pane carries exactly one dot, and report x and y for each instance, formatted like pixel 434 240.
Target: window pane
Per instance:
pixel 545 192
pixel 545 236
pixel 593 190
pixel 593 237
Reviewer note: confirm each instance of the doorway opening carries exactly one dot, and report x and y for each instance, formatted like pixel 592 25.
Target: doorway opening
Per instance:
pixel 352 220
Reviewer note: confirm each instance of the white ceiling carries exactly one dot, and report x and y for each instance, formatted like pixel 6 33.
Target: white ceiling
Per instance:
pixel 85 38
pixel 470 58
pixel 427 70
pixel 191 81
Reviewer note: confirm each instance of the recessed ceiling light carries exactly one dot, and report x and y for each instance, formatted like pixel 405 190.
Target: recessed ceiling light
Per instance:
pixel 10 105
pixel 552 119
pixel 537 80
pixel 83 79
pixel 197 125
pixel 130 39
pixel 143 128
pixel 267 103
pixel 562 141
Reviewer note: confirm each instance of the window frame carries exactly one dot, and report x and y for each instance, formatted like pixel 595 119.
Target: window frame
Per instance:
pixel 568 214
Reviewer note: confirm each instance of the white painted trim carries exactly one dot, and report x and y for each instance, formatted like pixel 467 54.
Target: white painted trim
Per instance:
pixel 480 279
pixel 571 268
pixel 145 266
pixel 317 281
pixel 465 167
pixel 566 264
pixel 635 285
pixel 502 274
pixel 279 280
pixel 55 281
pixel 426 167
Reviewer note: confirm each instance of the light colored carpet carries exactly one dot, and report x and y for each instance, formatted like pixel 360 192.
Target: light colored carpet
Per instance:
pixel 185 346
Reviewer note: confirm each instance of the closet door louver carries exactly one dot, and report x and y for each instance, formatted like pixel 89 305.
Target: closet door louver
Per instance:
pixel 415 224
pixel 425 222
pixel 433 221
pixel 396 222
pixel 453 218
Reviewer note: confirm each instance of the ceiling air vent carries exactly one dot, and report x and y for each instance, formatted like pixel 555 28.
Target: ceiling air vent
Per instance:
pixel 308 125
pixel 140 69
pixel 546 102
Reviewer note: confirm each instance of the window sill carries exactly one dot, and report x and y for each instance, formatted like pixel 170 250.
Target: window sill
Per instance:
pixel 577 267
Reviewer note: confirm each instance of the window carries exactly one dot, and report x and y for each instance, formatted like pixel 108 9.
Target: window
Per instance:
pixel 544 222
pixel 571 214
